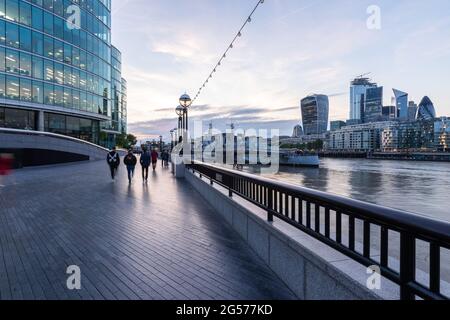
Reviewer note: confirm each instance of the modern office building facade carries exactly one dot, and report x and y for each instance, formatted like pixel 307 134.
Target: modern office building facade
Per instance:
pixel 402 104
pixel 426 110
pixel 337 125
pixel 373 109
pixel 56 71
pixel 358 91
pixel 298 131
pixel 315 112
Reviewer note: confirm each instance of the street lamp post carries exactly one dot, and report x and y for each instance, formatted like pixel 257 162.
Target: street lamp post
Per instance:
pixel 183 116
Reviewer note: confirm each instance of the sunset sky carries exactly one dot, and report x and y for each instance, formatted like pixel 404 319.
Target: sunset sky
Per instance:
pixel 292 48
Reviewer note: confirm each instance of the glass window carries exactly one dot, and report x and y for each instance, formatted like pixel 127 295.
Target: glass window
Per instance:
pixel 20 119
pixel 58 30
pixel 48 47
pixel 37 68
pixel 68 98
pixel 2 8
pixel 37 92
pixel 83 101
pixel 48 70
pixel 67 76
pixel 25 39
pixel 56 123
pixel 2 86
pixel 37 43
pixel 59 73
pixel 25 90
pixel 2 31
pixel 12 10
pixel 76 99
pixel 48 23
pixel 67 53
pixel 12 35
pixel 37 21
pixel 25 13
pixel 2 59
pixel 59 50
pixel 59 96
pixel 49 94
pixel 12 88
pixel 25 64
pixel 12 61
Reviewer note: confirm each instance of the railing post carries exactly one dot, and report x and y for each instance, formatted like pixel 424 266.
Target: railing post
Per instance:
pixel 230 186
pixel 270 205
pixel 407 265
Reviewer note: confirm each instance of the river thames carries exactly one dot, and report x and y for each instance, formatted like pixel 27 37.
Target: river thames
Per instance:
pixel 420 187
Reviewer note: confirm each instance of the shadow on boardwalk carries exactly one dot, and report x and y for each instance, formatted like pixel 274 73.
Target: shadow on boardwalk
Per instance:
pixel 155 241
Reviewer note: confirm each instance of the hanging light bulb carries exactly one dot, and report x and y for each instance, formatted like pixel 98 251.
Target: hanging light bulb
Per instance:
pixel 239 34
pixel 249 19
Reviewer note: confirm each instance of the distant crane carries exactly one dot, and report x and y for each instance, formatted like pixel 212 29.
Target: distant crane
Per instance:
pixel 361 76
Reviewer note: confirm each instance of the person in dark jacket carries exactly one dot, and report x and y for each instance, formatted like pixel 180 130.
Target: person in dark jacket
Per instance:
pixel 113 160
pixel 154 159
pixel 145 160
pixel 130 161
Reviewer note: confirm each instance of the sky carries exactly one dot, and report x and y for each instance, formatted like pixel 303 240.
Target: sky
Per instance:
pixel 292 48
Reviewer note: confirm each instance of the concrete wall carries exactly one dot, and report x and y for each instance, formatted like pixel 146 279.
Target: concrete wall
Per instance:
pixel 10 140
pixel 307 266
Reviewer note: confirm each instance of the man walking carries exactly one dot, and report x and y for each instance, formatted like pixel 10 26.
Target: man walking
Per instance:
pixel 130 161
pixel 113 160
pixel 154 159
pixel 145 161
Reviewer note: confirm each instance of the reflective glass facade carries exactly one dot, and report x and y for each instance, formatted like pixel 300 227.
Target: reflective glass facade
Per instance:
pixel 49 64
pixel 315 111
pixel 373 111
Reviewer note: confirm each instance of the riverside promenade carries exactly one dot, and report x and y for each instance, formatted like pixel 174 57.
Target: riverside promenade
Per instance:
pixel 156 241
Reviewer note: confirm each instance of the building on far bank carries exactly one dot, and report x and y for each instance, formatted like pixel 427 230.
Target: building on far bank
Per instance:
pixel 426 110
pixel 442 134
pixel 315 111
pixel 389 112
pixel 58 77
pixel 412 111
pixel 408 136
pixel 337 125
pixel 298 131
pixel 401 100
pixel 358 138
pixel 358 93
pixel 373 109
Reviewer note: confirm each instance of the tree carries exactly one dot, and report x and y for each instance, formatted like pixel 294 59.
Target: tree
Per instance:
pixel 126 141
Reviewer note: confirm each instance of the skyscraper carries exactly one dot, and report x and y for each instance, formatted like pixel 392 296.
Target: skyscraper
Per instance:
pixel 373 110
pixel 57 75
pixel 358 90
pixel 315 110
pixel 298 131
pixel 401 99
pixel 426 110
pixel 412 111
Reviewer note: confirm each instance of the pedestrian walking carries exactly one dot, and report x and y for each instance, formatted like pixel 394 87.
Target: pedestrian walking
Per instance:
pixel 130 161
pixel 154 156
pixel 113 160
pixel 145 161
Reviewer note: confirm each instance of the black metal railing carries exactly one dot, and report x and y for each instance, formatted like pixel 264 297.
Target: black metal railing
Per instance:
pixel 313 213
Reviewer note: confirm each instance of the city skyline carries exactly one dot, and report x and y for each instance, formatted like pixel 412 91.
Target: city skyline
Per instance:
pixel 264 87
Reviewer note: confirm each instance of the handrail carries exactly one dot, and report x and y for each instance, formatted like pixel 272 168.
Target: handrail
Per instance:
pixel 50 134
pixel 305 209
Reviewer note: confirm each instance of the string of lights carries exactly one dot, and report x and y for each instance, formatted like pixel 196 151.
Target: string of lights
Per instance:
pixel 230 46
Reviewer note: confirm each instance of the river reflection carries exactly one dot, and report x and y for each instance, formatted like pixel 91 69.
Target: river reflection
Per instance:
pixel 420 187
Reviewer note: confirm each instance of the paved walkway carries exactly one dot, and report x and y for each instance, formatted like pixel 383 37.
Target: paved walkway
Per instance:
pixel 159 241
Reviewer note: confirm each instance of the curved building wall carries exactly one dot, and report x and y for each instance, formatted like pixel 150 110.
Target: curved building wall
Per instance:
pixel 56 66
pixel 315 111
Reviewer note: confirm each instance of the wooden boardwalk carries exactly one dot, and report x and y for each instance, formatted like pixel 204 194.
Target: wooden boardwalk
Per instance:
pixel 155 241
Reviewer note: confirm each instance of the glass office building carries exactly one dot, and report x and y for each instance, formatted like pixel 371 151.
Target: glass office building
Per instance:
pixel 358 89
pixel 426 110
pixel 373 111
pixel 58 73
pixel 402 104
pixel 315 111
